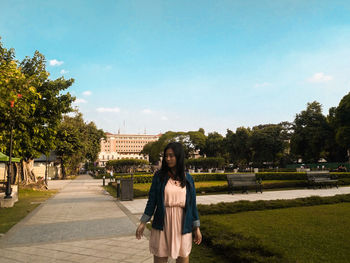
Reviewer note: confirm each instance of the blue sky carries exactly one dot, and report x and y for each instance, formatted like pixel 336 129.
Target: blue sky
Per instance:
pixel 183 65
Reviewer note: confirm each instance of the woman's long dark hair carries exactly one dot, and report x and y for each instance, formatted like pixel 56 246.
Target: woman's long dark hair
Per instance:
pixel 180 162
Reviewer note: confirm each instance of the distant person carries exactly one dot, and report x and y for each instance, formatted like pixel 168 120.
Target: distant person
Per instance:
pixel 172 200
pixel 111 175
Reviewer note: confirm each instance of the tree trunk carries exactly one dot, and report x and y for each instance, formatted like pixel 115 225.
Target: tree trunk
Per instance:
pixel 63 169
pixel 28 174
pixel 46 170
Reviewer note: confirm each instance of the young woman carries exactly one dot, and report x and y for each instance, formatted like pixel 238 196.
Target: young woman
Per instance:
pixel 172 200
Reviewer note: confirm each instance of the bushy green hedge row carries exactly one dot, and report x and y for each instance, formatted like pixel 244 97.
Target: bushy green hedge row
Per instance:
pixel 241 206
pixel 203 177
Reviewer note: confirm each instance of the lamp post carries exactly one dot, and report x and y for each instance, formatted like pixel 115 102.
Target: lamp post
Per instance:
pixel 9 172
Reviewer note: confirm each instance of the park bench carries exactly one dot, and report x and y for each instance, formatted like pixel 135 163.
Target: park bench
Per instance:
pixel 321 178
pixel 243 181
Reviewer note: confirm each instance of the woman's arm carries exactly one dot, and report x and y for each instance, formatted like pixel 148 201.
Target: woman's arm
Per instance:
pixel 152 200
pixel 196 222
pixel 150 207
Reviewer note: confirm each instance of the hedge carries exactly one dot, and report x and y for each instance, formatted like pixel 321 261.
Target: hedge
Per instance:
pixel 242 206
pixel 202 177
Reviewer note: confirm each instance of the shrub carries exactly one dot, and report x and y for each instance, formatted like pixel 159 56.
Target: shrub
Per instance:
pixel 124 165
pixel 240 206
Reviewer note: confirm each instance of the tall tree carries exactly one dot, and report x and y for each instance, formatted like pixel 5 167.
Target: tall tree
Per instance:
pixel 192 141
pixel 311 131
pixel 77 142
pixel 342 122
pixel 31 105
pixel 214 146
pixel 237 145
pixel 266 143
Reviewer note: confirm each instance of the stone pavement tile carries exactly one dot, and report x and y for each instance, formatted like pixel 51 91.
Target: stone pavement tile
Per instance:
pixel 135 258
pixel 143 252
pixel 7 260
pixel 148 260
pixel 19 256
pixel 14 255
pixel 56 232
pixel 96 253
pixel 118 256
pixel 40 259
pixel 83 258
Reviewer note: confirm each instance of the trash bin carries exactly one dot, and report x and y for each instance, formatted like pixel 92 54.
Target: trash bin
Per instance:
pixel 127 189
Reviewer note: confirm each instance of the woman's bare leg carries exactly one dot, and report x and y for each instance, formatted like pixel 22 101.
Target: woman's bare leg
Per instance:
pixel 183 260
pixel 159 259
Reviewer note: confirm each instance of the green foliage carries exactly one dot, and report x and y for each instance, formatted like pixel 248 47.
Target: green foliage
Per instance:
pixel 342 122
pixel 311 132
pixel 236 246
pixel 214 145
pixel 77 142
pixel 242 206
pixel 266 143
pixel 297 234
pixel 192 141
pixel 237 145
pixel 32 104
pixel 124 165
pixel 281 176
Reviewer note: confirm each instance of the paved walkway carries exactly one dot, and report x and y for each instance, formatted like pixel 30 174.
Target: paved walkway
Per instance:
pixel 80 224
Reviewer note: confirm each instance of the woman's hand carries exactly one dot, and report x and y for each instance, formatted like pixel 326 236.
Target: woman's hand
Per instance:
pixel 139 230
pixel 197 236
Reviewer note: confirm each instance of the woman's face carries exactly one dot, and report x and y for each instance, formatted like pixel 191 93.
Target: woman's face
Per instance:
pixel 170 158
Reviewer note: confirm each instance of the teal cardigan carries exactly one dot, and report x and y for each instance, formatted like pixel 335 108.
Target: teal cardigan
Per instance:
pixel 155 204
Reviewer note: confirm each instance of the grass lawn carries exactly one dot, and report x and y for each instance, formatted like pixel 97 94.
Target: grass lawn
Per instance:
pixel 28 200
pixel 300 234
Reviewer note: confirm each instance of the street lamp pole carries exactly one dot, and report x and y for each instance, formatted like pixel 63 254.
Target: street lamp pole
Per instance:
pixel 9 172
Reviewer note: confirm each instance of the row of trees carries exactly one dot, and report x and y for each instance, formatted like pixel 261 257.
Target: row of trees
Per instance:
pixel 125 165
pixel 310 137
pixel 34 109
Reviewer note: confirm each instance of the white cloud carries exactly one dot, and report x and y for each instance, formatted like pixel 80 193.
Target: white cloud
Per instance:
pixel 63 71
pixel 320 77
pixel 146 111
pixel 55 62
pixel 260 85
pixel 116 109
pixel 87 93
pixel 164 118
pixel 80 101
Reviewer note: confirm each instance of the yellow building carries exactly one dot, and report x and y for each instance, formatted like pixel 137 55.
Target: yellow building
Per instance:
pixel 124 146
